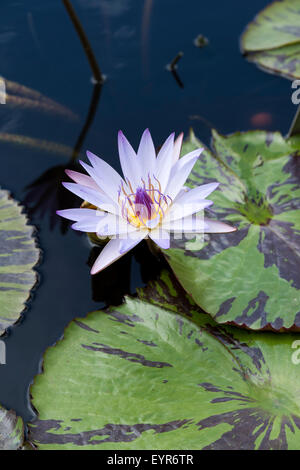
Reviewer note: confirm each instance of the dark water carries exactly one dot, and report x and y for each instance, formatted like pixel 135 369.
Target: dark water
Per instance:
pixel 133 41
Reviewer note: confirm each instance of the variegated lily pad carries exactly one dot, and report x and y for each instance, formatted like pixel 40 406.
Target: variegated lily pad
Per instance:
pixel 11 430
pixel 18 255
pixel 158 373
pixel 250 277
pixel 272 39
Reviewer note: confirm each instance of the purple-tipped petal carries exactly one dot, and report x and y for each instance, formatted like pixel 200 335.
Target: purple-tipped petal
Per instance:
pixel 108 190
pixel 105 176
pixel 92 196
pixel 82 179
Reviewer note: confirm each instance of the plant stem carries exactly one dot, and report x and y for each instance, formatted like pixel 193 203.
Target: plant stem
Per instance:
pixel 84 41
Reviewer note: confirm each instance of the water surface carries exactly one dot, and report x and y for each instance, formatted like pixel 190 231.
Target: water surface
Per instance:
pixel 133 42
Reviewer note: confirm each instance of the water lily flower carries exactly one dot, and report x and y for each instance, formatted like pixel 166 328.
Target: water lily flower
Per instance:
pixel 150 201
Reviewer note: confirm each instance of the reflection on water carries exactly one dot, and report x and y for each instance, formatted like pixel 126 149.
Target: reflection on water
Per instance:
pixel 89 120
pixel 110 286
pixel 20 97
pixel 172 67
pixel 44 65
pixel 46 194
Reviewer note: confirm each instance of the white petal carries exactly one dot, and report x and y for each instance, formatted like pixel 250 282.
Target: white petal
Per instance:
pixel 133 239
pixel 196 194
pixel 82 179
pixel 112 252
pixel 92 196
pixel 105 176
pixel 164 162
pixel 180 172
pixel 188 224
pixel 112 225
pixel 180 210
pixel 77 214
pixel 146 155
pixel 153 222
pixel 183 190
pixel 161 237
pixel 128 160
pixel 177 148
pixel 109 190
pixel 214 226
pixel 88 224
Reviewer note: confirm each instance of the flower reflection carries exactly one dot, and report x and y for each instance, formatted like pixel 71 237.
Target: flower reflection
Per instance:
pixel 110 286
pixel 45 196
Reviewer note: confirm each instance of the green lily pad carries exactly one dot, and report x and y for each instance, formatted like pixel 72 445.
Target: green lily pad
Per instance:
pixel 158 373
pixel 272 39
pixel 18 255
pixel 251 277
pixel 11 430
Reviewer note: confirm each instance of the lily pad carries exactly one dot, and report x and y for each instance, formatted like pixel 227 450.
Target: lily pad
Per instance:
pixel 158 373
pixel 251 277
pixel 272 39
pixel 18 256
pixel 11 430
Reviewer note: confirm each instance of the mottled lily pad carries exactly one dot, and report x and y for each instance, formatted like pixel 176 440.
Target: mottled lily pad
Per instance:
pixel 272 39
pixel 11 430
pixel 18 255
pixel 158 373
pixel 251 277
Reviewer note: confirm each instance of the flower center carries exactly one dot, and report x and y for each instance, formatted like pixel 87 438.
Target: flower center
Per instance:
pixel 144 205
pixel 143 202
